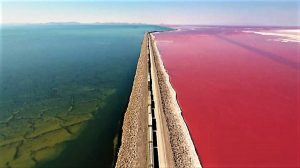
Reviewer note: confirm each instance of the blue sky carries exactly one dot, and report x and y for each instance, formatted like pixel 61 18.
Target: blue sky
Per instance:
pixel 213 12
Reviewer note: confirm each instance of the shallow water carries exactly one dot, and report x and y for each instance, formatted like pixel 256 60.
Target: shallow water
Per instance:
pixel 63 92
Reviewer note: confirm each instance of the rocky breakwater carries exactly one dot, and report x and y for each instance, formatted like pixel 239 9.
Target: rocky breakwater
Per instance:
pixel 133 150
pixel 183 149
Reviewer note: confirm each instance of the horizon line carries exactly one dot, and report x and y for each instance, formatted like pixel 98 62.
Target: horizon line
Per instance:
pixel 139 23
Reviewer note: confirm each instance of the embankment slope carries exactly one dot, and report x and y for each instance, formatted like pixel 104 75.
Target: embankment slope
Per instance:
pixel 133 150
pixel 183 149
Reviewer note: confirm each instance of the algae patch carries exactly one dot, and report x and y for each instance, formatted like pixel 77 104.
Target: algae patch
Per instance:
pixel 34 135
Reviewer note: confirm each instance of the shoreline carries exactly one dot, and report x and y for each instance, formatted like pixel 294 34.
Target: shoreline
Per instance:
pixel 182 145
pixel 133 151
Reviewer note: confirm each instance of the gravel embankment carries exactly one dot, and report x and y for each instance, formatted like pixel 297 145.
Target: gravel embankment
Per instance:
pixel 133 150
pixel 184 152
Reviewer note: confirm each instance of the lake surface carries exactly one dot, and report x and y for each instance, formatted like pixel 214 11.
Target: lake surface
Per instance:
pixel 63 92
pixel 238 91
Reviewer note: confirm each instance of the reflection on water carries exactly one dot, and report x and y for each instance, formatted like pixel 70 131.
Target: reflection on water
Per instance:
pixel 63 90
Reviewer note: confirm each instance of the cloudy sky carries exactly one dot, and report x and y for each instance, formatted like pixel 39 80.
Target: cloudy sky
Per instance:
pixel 210 12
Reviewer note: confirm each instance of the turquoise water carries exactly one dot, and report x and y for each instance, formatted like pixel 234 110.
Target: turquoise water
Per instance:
pixel 63 92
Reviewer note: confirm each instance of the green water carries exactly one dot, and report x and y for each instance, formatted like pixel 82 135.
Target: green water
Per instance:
pixel 63 92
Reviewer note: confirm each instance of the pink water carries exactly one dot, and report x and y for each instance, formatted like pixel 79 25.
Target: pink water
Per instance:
pixel 239 93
